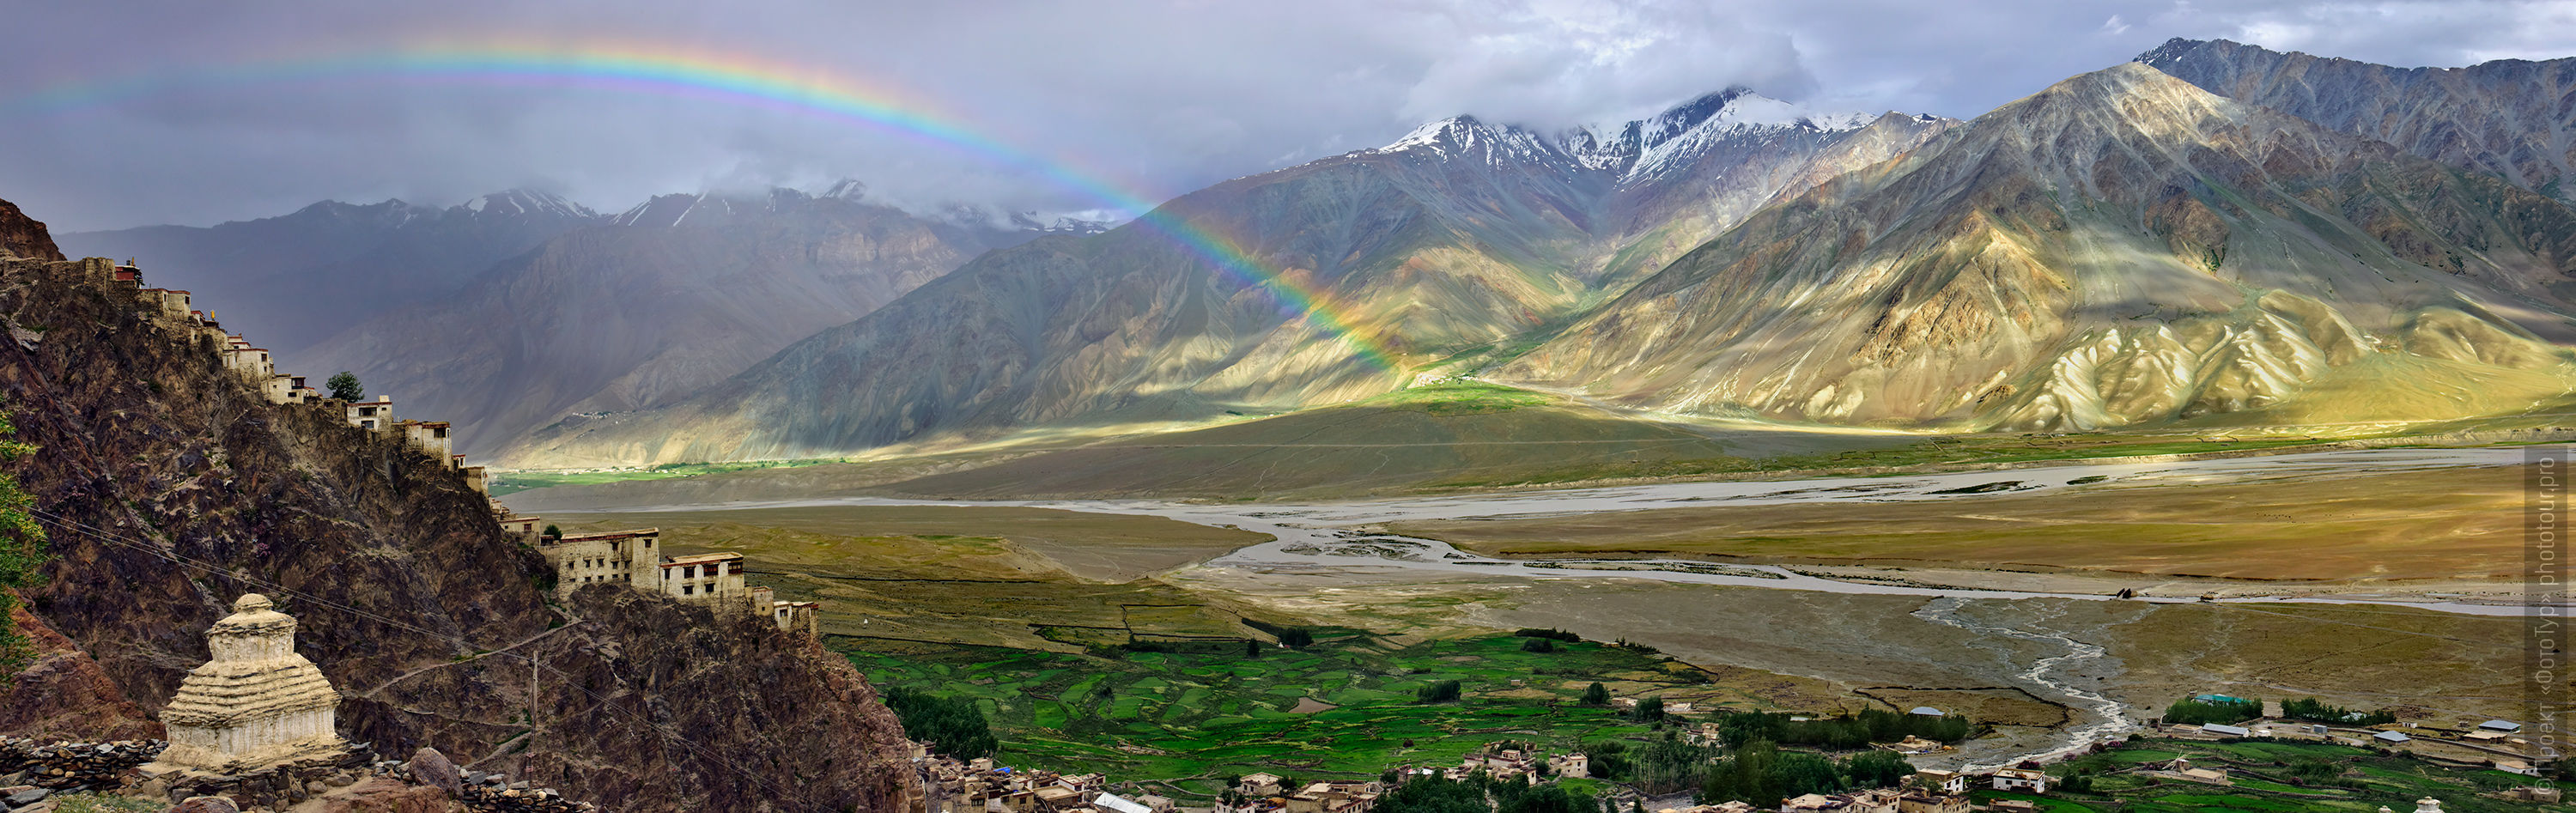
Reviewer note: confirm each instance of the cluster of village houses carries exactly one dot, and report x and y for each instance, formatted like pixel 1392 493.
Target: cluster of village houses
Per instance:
pixel 2498 743
pixel 633 557
pixel 980 786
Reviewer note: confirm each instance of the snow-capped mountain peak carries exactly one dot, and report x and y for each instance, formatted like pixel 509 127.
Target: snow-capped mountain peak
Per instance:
pixel 845 189
pixel 1635 150
pixel 1460 137
pixel 526 203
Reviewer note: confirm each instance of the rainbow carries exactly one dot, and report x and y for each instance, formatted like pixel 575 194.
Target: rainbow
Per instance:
pixel 731 79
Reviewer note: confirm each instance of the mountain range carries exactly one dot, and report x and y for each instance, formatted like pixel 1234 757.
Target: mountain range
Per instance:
pixel 1442 248
pixel 519 307
pixel 2211 234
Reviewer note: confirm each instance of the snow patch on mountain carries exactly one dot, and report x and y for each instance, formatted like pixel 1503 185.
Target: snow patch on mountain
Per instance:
pixel 1637 150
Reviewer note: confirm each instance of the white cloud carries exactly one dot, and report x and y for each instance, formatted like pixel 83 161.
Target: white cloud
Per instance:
pixel 1159 96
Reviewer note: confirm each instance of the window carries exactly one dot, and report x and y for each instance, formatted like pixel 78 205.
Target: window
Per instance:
pixel 688 589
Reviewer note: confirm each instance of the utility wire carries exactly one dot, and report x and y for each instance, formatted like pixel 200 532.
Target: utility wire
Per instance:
pixel 598 701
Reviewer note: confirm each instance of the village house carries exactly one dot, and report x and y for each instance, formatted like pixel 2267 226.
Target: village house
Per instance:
pixel 376 414
pixel 2021 780
pixel 1260 784
pixel 2012 806
pixel 631 557
pixel 1871 800
pixel 1334 797
pixel 1704 734
pixel 1919 800
pixel 1938 781
pixel 1721 807
pixel 431 438
pixel 1812 803
pixel 1576 765
pixel 2536 794
pixel 173 304
pixel 704 577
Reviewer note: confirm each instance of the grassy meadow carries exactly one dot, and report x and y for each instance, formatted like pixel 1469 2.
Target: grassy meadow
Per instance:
pixel 1345 706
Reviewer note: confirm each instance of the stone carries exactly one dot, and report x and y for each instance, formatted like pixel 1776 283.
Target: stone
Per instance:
pixel 256 703
pixel 28 797
pixel 206 804
pixel 429 767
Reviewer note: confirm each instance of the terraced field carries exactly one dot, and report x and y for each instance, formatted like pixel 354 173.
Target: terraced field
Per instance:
pixel 1344 707
pixel 2365 780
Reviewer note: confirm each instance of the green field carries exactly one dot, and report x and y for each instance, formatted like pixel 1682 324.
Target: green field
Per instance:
pixel 1185 720
pixel 2362 780
pixel 516 481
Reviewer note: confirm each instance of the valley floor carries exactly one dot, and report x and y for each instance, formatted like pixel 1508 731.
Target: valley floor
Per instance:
pixel 2371 578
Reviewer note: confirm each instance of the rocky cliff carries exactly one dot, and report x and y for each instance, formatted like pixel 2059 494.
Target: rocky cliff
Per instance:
pixel 22 236
pixel 170 486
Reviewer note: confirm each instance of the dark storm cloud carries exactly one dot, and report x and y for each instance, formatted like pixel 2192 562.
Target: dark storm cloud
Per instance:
pixel 1162 97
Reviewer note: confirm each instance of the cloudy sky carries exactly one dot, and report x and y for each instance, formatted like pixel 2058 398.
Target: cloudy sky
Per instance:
pixel 130 112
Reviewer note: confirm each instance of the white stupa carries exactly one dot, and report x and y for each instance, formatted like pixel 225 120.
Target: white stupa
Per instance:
pixel 257 703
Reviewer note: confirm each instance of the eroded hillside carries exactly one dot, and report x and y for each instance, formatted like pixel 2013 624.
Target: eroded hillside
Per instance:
pixel 170 486
pixel 2120 248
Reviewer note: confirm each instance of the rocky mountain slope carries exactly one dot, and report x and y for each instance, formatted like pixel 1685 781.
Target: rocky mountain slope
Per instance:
pixel 22 236
pixel 170 486
pixel 313 273
pixel 2509 117
pixel 662 300
pixel 1449 243
pixel 2122 247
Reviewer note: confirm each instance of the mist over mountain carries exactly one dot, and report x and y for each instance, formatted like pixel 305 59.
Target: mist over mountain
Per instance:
pixel 323 268
pixel 1449 242
pixel 659 301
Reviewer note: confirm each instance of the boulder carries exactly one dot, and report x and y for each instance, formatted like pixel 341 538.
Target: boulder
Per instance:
pixel 206 804
pixel 429 767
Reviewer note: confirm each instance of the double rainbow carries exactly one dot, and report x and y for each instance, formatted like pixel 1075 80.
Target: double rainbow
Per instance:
pixel 729 79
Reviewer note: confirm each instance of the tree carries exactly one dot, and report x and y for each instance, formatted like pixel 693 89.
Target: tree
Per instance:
pixel 953 726
pixel 344 386
pixel 22 548
pixel 1649 710
pixel 1538 645
pixel 1434 794
pixel 1877 769
pixel 1596 695
pixel 1441 692
pixel 554 532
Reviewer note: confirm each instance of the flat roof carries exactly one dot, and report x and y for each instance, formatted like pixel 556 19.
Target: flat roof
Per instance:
pixel 700 558
pixel 2221 728
pixel 613 534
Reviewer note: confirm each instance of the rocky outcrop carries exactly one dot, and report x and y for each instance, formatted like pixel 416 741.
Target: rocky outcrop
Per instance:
pixel 63 694
pixel 2509 117
pixel 169 485
pixel 22 236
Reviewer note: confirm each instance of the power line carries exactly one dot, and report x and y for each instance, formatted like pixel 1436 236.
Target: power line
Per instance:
pixel 598 701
